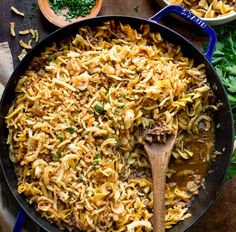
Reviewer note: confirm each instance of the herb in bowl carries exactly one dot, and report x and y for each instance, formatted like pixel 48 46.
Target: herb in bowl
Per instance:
pixel 71 9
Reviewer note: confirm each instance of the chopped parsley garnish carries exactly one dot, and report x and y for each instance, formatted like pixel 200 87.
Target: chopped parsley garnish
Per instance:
pixel 95 164
pixel 99 109
pixel 124 106
pixel 60 138
pixel 71 130
pixel 136 8
pixel 71 9
pixel 57 156
pixel 97 156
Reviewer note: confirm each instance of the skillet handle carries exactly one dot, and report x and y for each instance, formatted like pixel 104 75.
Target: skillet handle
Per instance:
pixel 19 221
pixel 192 19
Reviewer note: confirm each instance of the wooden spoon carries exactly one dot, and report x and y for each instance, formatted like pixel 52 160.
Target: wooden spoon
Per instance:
pixel 159 156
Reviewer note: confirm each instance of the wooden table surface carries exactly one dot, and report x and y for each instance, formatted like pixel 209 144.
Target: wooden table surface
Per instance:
pixel 221 217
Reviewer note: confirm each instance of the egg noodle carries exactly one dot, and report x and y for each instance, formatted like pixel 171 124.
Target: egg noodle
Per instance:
pixel 76 125
pixel 208 8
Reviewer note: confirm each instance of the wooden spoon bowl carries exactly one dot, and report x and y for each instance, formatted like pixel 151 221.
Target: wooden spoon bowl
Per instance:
pixel 59 20
pixel 159 156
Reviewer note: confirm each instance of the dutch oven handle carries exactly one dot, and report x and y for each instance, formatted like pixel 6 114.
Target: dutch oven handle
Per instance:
pixel 182 12
pixel 20 219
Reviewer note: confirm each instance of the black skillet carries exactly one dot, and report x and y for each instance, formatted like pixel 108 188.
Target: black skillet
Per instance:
pixel 223 117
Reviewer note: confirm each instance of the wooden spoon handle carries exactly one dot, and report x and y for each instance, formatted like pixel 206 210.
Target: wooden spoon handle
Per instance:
pixel 159 165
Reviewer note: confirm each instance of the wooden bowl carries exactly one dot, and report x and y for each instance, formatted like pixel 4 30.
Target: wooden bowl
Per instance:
pixel 60 21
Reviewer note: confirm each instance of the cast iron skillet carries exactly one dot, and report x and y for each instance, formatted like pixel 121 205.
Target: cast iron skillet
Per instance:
pixel 223 117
